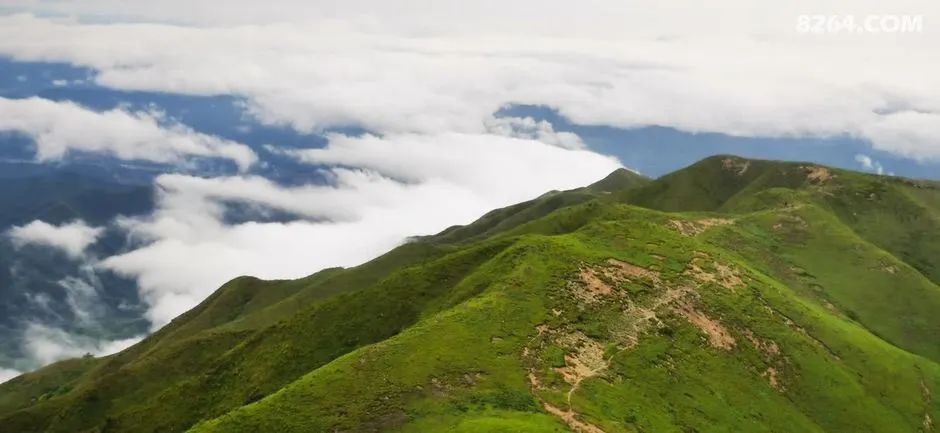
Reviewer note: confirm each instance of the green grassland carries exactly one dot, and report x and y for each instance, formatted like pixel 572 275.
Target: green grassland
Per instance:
pixel 733 295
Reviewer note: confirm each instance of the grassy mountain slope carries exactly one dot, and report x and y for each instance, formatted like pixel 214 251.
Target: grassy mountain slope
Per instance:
pixel 501 220
pixel 734 295
pixel 899 215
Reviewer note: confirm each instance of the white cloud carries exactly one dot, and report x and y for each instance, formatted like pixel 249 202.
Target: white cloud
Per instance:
pixel 732 69
pixel 6 374
pixel 72 238
pixel 61 127
pixel 869 164
pixel 81 294
pixel 402 185
pixel 913 134
pixel 44 344
pixel 591 17
pixel 541 130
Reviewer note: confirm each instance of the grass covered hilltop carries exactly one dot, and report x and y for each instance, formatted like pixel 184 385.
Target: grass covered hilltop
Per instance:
pixel 731 296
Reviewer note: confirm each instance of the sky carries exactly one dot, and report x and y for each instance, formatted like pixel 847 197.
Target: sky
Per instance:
pixel 364 122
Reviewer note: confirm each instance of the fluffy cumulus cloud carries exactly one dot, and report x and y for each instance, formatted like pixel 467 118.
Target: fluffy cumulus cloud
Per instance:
pixel 71 238
pixel 731 69
pixel 391 188
pixel 61 127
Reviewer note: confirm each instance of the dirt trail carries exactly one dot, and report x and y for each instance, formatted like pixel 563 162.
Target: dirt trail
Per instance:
pixel 585 362
pixel 925 393
pixel 571 419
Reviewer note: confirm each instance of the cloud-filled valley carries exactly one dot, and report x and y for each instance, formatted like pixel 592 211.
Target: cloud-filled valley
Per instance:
pixel 418 186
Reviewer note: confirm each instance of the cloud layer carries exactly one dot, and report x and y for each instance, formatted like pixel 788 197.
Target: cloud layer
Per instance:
pixel 45 345
pixel 62 127
pixel 7 374
pixel 398 186
pixel 749 78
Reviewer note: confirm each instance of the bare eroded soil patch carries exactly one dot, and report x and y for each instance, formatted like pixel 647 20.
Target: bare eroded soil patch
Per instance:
pixel 722 274
pixel 692 228
pixel 737 166
pixel 718 335
pixel 817 174
pixel 598 282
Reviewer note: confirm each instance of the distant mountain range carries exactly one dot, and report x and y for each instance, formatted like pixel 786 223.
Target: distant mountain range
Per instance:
pixel 732 295
pixel 37 282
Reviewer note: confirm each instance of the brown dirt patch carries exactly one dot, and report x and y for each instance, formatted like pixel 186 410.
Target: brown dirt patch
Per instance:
pixel 727 276
pixel 771 354
pixel 534 381
pixel 638 319
pixel 739 167
pixel 718 335
pixel 817 174
pixel 693 228
pixel 769 348
pixel 624 270
pixel 571 419
pixel 595 282
pixel 592 287
pixel 771 375
pixel 723 275
pixel 585 359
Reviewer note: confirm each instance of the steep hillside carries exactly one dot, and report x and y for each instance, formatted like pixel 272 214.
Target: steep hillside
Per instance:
pixel 734 295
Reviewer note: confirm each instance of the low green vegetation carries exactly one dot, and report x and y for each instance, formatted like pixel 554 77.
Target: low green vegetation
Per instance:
pixel 734 295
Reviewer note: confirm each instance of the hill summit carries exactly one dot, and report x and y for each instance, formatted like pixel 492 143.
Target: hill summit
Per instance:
pixel 732 295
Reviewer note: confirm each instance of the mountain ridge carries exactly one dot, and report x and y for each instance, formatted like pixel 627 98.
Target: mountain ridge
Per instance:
pixel 735 294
